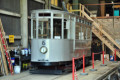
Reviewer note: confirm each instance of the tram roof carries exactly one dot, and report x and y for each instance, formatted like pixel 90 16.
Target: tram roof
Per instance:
pixel 56 11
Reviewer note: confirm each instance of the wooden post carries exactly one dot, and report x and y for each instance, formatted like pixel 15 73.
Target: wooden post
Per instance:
pixel 102 8
pixel 100 29
pixel 48 4
pixel 2 50
pixel 83 9
pixel 68 6
pixel 3 59
pixel 102 46
pixel 56 2
pixel 1 65
pixel 70 9
pixel 80 9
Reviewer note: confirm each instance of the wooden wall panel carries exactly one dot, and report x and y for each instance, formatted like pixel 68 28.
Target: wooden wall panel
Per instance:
pixel 114 31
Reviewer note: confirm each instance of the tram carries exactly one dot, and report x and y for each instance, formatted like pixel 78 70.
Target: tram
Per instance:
pixel 56 37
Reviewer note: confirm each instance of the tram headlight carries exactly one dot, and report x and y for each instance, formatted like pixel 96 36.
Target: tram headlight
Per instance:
pixel 43 49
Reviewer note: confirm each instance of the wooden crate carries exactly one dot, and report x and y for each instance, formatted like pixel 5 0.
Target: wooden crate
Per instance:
pixel 106 57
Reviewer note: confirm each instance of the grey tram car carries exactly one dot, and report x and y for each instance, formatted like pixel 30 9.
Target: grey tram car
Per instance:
pixel 57 37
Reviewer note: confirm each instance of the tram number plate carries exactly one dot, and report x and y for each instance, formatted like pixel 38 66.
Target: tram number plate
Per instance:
pixel 43 43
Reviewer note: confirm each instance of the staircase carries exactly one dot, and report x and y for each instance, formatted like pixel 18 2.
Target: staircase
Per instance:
pixel 96 29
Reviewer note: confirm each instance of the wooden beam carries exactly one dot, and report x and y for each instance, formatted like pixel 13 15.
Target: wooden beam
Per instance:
pixel 102 8
pixel 80 9
pixel 3 58
pixel 103 47
pixel 105 17
pixel 83 9
pixel 100 4
pixel 9 13
pixel 1 72
pixel 116 6
pixel 96 4
pixel 16 37
pixel 68 6
pixel 4 12
pixel 47 4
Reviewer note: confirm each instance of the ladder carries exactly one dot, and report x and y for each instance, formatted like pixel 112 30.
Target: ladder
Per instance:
pixel 5 46
pixel 96 29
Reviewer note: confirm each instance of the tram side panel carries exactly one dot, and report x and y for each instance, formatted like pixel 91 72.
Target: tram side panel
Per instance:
pixel 83 47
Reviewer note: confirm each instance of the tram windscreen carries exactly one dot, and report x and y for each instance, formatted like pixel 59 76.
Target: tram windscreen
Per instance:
pixel 57 28
pixel 44 29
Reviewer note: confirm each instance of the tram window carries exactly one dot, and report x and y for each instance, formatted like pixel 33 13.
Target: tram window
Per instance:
pixel 88 33
pixel 34 29
pixel 66 28
pixel 57 15
pixel 44 29
pixel 83 32
pixel 57 28
pixel 78 32
pixel 44 14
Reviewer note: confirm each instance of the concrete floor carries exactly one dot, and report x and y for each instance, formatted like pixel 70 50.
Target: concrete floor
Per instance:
pixel 91 75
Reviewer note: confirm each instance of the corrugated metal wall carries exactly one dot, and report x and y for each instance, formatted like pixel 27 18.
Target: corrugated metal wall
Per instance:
pixel 33 5
pixel 10 5
pixel 12 24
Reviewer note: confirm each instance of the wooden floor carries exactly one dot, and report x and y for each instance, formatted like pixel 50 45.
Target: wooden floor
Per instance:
pixel 91 75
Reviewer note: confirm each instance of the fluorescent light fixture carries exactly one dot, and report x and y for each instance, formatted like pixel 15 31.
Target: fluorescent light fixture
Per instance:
pixel 112 2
